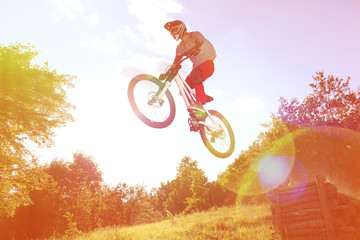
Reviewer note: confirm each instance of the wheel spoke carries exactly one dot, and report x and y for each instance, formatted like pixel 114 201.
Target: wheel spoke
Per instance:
pixel 144 92
pixel 217 135
pixel 157 113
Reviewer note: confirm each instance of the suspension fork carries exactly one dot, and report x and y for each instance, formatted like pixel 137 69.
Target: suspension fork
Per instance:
pixel 160 94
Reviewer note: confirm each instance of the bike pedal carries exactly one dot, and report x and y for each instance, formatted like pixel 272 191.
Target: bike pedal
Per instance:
pixel 194 127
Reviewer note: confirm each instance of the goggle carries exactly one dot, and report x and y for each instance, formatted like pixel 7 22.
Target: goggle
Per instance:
pixel 174 30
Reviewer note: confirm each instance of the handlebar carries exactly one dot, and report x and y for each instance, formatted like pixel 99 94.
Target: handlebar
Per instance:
pixel 174 69
pixel 191 53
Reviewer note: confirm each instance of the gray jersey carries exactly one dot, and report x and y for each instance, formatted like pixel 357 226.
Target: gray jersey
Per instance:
pixel 207 51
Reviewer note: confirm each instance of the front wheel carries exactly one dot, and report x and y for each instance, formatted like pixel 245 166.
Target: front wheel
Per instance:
pixel 217 135
pixel 153 111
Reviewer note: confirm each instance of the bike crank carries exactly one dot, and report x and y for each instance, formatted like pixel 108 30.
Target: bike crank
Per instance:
pixel 194 125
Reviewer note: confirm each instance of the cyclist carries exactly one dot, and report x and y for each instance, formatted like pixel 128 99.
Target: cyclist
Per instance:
pixel 203 60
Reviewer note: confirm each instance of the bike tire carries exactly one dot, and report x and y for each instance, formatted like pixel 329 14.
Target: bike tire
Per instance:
pixel 222 146
pixel 166 112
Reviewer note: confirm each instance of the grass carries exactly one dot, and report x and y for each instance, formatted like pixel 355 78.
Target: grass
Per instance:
pixel 243 222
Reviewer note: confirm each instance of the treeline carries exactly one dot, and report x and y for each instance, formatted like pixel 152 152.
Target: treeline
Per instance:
pixel 318 135
pixel 69 197
pixel 73 198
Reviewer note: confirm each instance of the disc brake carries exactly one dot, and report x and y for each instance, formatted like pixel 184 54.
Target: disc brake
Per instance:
pixel 214 134
pixel 154 100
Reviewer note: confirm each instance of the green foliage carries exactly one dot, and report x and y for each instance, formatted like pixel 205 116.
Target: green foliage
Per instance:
pixel 160 196
pixel 138 207
pixel 79 184
pixel 321 133
pixel 72 230
pixel 188 190
pixel 32 105
pixel 332 103
pixel 17 179
pixel 113 209
pixel 73 199
pixel 241 222
pixel 70 197
pixel 198 198
pixel 327 127
pixel 33 99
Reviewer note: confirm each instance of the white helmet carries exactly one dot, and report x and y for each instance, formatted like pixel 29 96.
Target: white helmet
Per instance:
pixel 176 28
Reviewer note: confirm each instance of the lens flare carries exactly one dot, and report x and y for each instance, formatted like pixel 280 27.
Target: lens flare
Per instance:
pixel 282 171
pixel 274 171
pixel 294 159
pixel 273 168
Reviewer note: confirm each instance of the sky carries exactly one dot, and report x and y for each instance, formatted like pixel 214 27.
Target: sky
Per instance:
pixel 266 49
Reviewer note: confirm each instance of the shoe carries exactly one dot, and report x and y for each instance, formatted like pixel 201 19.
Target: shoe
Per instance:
pixel 209 98
pixel 197 110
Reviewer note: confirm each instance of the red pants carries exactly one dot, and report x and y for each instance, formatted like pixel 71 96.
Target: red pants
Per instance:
pixel 196 78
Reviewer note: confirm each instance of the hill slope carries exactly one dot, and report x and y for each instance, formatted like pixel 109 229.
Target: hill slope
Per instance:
pixel 241 222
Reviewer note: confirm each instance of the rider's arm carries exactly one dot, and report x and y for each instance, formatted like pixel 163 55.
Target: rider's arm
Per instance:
pixel 177 59
pixel 183 50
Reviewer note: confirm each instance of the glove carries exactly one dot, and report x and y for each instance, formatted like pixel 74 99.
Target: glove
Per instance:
pixel 173 66
pixel 162 76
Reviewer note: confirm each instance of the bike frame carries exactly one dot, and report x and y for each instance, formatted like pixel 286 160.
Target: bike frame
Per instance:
pixel 187 95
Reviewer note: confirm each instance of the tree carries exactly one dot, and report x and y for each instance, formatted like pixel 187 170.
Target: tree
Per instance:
pixel 188 189
pixel 33 103
pixel 328 121
pixel 332 103
pixel 160 196
pixel 219 196
pixel 113 210
pixel 17 179
pixel 33 99
pixel 138 207
pixel 319 135
pixel 40 219
pixel 79 184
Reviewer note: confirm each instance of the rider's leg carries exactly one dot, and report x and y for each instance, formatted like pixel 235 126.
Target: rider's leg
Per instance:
pixel 195 81
pixel 200 94
pixel 196 78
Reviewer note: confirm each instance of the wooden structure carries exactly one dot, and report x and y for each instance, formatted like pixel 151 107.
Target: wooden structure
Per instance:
pixel 317 212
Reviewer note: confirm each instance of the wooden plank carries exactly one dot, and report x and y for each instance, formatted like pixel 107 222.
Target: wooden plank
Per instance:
pixel 303 198
pixel 300 216
pixel 278 221
pixel 309 225
pixel 290 192
pixel 330 231
pixel 301 212
pixel 319 233
pixel 305 206
pixel 318 212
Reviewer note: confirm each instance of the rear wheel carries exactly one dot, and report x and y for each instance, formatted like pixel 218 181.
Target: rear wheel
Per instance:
pixel 218 135
pixel 153 111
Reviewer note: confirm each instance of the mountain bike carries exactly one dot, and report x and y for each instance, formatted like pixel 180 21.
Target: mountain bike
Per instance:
pixel 153 103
